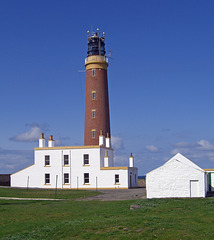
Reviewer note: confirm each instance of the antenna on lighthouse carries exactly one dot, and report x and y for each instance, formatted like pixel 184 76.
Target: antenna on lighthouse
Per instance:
pixel 109 54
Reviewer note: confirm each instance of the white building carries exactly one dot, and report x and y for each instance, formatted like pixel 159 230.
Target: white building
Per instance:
pixel 178 177
pixel 83 167
pixel 210 179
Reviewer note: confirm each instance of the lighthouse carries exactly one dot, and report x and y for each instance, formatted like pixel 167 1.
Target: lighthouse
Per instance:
pixel 83 167
pixel 97 119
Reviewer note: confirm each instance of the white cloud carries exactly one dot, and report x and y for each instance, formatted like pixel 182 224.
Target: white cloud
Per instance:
pixel 14 160
pixel 184 151
pixel 117 143
pixel 61 141
pixel 31 135
pixel 198 151
pixel 152 148
pixel 174 151
pixel 205 145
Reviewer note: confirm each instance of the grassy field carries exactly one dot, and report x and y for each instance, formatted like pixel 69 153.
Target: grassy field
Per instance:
pixel 45 193
pixel 69 219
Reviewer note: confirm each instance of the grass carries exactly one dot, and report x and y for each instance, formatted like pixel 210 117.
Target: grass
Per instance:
pixel 156 219
pixel 46 193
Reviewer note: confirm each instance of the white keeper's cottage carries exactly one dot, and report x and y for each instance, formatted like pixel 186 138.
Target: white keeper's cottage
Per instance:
pixel 77 167
pixel 178 177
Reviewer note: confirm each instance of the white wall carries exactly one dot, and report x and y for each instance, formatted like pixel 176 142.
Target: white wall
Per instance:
pixel 173 180
pixel 133 177
pixel 76 169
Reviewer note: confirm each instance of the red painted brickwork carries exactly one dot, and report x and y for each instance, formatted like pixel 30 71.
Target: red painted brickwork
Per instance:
pixel 99 84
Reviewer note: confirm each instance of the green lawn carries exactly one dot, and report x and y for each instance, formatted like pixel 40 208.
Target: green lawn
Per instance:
pixel 45 193
pixel 156 219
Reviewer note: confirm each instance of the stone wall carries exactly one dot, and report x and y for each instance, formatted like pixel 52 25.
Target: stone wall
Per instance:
pixel 141 182
pixel 4 179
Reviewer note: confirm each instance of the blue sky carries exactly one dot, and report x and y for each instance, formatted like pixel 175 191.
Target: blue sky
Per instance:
pixel 160 77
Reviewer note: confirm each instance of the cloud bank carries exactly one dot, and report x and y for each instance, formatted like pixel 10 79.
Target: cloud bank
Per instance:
pixel 117 143
pixel 200 150
pixel 12 161
pixel 31 135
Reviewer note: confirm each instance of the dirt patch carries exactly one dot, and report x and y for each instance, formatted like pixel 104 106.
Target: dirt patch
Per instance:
pixel 119 194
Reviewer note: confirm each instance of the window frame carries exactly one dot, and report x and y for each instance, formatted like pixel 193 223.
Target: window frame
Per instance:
pixel 47 178
pixel 86 178
pixel 93 72
pixel 93 132
pixel 66 178
pixel 117 178
pixel 93 112
pixel 86 159
pixel 66 160
pixel 93 95
pixel 47 160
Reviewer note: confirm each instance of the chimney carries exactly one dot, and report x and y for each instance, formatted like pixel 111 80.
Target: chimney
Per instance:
pixel 108 141
pixel 42 141
pixel 131 161
pixel 51 141
pixel 101 139
pixel 106 159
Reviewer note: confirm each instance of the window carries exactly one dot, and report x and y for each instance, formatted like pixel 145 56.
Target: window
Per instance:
pixel 93 72
pixel 117 179
pixel 86 178
pixel 66 160
pixel 93 95
pixel 47 178
pixel 66 178
pixel 93 113
pixel 93 133
pixel 85 159
pixel 47 160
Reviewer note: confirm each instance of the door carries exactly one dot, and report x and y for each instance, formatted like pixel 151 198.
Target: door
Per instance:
pixel 130 181
pixel 194 188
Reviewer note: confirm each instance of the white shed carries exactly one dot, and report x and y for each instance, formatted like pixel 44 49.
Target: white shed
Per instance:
pixel 178 177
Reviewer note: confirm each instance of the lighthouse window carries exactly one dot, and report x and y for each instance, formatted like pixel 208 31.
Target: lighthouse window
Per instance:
pixel 93 72
pixel 93 113
pixel 93 95
pixel 117 179
pixel 66 178
pixel 47 178
pixel 93 133
pixel 47 160
pixel 86 178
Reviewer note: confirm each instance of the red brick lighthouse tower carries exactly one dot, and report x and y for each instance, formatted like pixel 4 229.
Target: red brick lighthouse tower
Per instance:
pixel 97 121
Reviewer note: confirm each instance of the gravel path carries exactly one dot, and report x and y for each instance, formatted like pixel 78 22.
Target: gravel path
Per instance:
pixel 37 199
pixel 119 194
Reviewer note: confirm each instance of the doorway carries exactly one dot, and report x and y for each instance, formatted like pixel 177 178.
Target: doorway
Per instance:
pixel 194 188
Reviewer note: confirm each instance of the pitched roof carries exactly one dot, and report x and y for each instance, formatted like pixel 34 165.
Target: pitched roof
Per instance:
pixel 180 158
